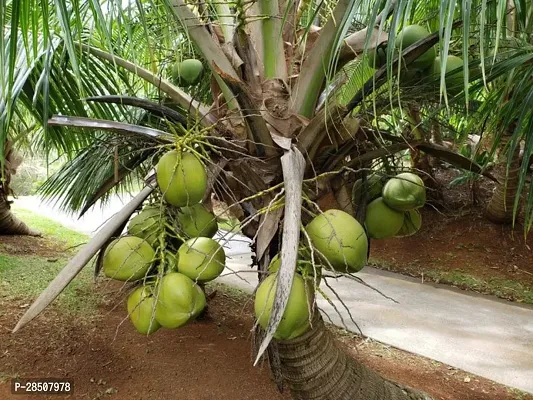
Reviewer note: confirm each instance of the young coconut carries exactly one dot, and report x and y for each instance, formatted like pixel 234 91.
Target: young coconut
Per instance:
pixel 454 76
pixel 145 225
pixel 382 221
pixel 340 239
pixel 187 72
pixel 181 178
pixel 374 186
pixel 404 192
pixel 141 310
pixel 196 221
pixel 304 266
pixel 412 222
pixel 201 259
pixel 410 35
pixel 128 258
pixel 199 301
pixel 377 58
pixel 295 320
pixel 176 301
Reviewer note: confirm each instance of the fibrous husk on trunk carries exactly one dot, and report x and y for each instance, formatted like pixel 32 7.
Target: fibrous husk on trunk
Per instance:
pixel 9 224
pixel 314 367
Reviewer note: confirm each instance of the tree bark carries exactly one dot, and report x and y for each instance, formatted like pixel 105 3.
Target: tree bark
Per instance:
pixel 420 161
pixel 500 208
pixel 314 367
pixel 9 224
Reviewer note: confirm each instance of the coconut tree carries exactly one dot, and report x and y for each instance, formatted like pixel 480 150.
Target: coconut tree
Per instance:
pixel 288 115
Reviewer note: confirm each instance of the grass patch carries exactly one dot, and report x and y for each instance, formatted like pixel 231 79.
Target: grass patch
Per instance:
pixel 502 288
pixel 51 229
pixel 25 277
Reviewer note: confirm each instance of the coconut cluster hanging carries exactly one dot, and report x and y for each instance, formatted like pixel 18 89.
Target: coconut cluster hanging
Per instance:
pixel 169 250
pixel 425 65
pixel 336 241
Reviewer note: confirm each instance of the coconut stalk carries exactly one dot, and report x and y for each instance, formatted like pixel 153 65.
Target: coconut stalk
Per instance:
pixel 319 60
pixel 273 50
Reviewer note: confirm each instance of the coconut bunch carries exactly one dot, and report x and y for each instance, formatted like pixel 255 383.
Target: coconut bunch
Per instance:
pixel 333 240
pixel 427 65
pixel 168 251
pixel 392 205
pixel 336 241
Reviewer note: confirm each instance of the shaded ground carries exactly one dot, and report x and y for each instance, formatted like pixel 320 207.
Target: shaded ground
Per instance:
pixel 27 245
pixel 458 245
pixel 209 359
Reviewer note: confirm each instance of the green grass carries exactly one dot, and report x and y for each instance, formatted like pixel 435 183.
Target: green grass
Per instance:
pixel 518 394
pixel 502 288
pixel 50 229
pixel 25 277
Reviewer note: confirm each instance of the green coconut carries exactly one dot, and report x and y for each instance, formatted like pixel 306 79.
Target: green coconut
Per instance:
pixel 454 76
pixel 374 186
pixel 412 34
pixel 340 239
pixel 199 301
pixel 377 57
pixel 295 320
pixel 196 221
pixel 141 310
pixel 201 259
pixel 304 265
pixel 382 221
pixel 187 72
pixel 181 178
pixel 412 222
pixel 127 258
pixel 145 225
pixel 405 192
pixel 176 300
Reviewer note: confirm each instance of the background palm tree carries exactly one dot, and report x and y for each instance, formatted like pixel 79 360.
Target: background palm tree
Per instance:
pixel 285 103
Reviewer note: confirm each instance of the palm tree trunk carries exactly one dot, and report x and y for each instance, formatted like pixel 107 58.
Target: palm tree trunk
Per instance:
pixel 420 161
pixel 9 224
pixel 314 367
pixel 500 208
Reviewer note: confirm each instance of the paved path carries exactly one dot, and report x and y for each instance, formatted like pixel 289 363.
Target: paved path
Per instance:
pixel 478 334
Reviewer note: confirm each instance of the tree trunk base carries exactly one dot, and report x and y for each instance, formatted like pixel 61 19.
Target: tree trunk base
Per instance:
pixel 315 368
pixel 11 225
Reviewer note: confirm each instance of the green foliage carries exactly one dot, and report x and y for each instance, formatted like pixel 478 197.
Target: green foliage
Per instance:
pixel 44 72
pixel 482 158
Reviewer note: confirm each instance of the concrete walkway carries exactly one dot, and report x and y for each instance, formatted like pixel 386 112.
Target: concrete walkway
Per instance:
pixel 478 334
